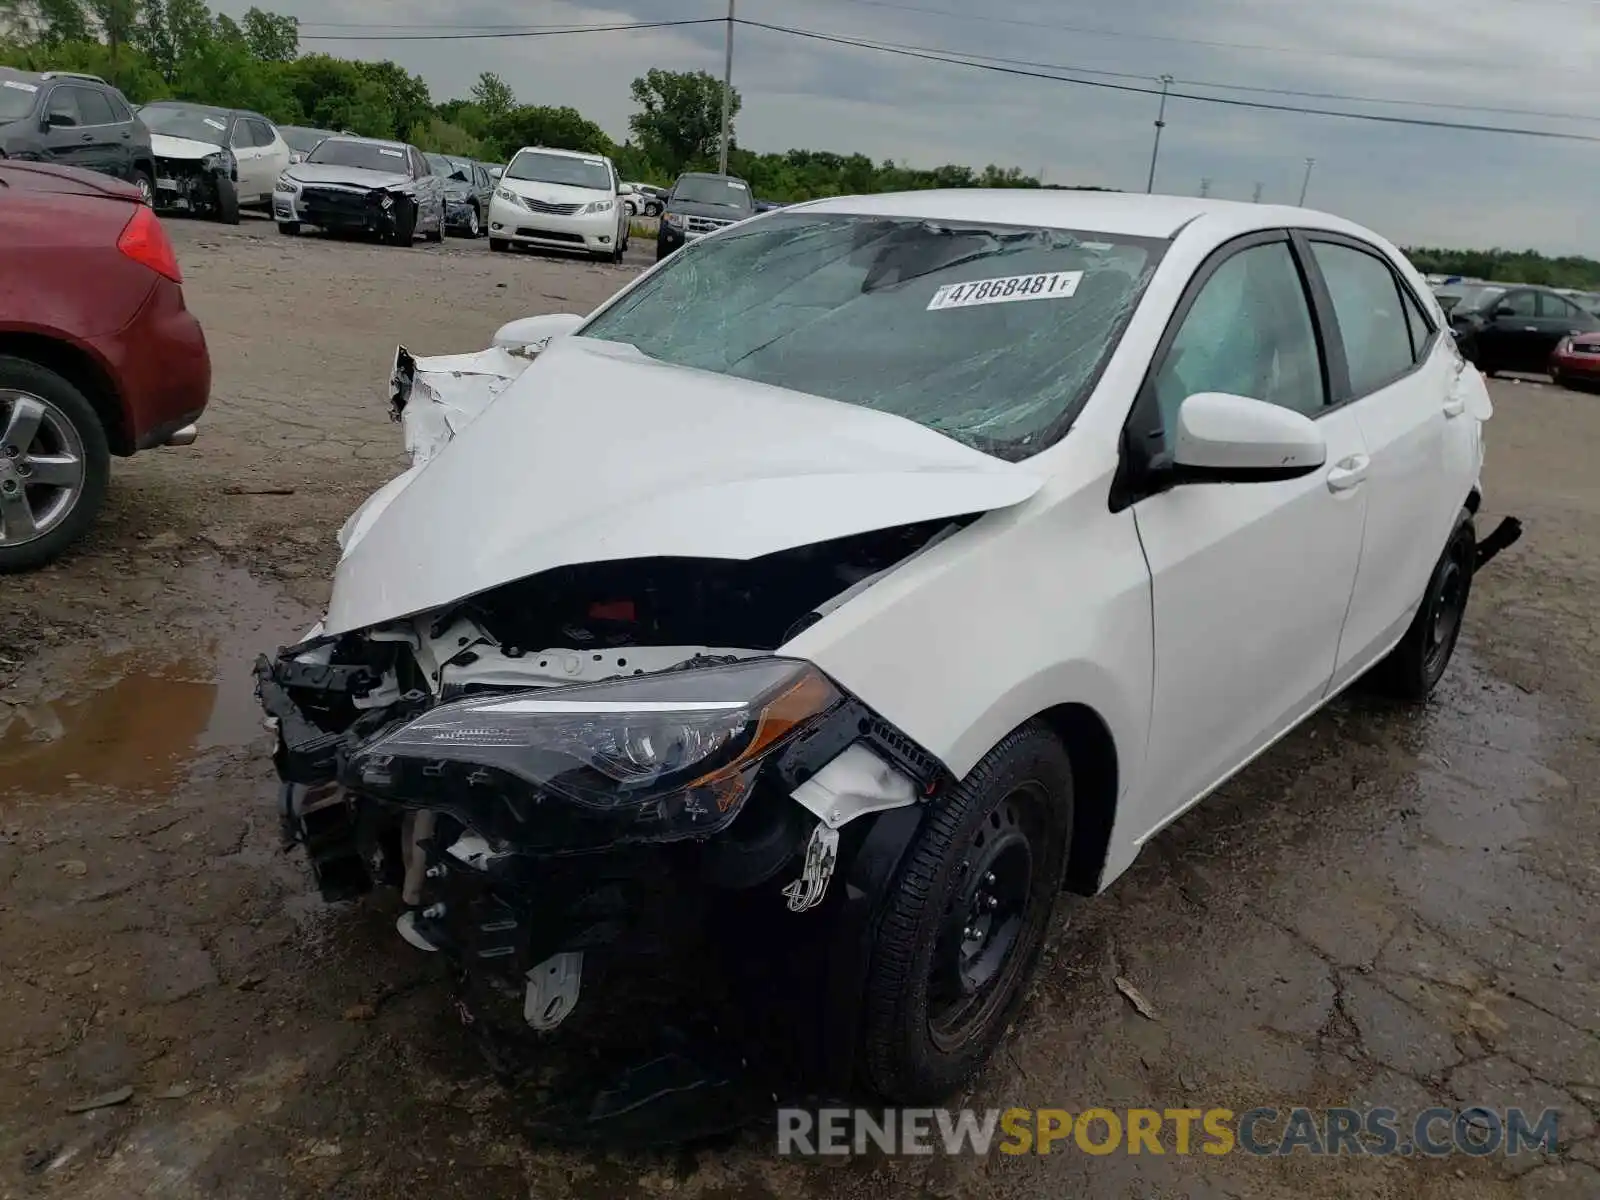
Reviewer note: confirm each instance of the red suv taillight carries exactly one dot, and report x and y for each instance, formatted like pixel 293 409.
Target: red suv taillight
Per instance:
pixel 144 241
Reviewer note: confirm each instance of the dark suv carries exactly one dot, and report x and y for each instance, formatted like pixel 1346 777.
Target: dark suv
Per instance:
pixel 75 121
pixel 701 203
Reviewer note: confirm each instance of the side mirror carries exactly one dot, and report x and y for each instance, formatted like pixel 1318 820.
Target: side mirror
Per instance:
pixel 534 333
pixel 625 189
pixel 1234 439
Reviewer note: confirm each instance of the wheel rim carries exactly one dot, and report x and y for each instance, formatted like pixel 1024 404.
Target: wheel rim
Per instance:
pixel 472 222
pixel 147 193
pixel 990 920
pixel 1446 604
pixel 41 467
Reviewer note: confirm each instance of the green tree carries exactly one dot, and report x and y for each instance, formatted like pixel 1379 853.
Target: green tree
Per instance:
pixel 62 21
pixel 558 128
pixel 270 36
pixel 405 95
pixel 442 137
pixel 679 121
pixel 493 95
pixel 118 21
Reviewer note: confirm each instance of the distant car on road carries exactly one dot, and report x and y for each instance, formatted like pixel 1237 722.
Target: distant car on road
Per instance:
pixel 98 354
pixel 362 185
pixel 302 140
pixel 213 161
pixel 467 192
pixel 699 204
pixel 1515 328
pixel 76 121
pixel 560 199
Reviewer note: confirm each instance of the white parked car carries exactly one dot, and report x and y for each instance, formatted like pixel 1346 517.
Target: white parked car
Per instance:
pixel 561 199
pixel 878 568
pixel 214 161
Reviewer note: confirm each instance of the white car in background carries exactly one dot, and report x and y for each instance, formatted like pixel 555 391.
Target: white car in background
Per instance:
pixel 203 153
pixel 883 566
pixel 560 199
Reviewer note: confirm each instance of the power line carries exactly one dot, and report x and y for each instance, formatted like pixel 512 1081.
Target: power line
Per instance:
pixel 1237 87
pixel 1228 101
pixel 1100 31
pixel 519 32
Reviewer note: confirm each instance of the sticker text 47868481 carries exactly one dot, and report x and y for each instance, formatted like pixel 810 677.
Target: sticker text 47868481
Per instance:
pixel 1050 285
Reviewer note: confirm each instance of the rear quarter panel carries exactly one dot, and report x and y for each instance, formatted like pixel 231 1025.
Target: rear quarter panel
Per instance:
pixel 60 271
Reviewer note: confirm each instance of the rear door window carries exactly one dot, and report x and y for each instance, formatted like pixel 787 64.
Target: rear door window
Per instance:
pixel 1372 322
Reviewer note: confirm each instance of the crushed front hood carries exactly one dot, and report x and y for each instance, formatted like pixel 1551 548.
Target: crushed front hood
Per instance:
pixel 355 177
pixel 596 453
pixel 181 149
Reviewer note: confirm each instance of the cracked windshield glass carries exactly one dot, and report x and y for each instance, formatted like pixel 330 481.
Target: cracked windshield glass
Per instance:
pixel 990 334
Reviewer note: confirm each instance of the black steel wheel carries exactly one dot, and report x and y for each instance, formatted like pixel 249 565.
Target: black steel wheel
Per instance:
pixel 961 930
pixel 1414 667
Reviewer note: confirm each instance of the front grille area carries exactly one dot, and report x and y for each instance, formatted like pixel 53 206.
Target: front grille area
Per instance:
pixel 704 224
pixel 335 203
pixel 549 235
pixel 555 210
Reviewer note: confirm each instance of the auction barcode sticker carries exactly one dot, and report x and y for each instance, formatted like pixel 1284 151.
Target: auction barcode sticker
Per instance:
pixel 1052 285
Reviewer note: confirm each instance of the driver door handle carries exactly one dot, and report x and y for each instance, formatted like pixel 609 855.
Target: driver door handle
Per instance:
pixel 1348 473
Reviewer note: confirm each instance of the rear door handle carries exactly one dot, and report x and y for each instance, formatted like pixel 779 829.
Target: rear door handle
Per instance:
pixel 1530 329
pixel 1348 473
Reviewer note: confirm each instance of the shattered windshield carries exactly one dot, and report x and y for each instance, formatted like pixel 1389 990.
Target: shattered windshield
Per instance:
pixel 367 156
pixel 197 124
pixel 993 335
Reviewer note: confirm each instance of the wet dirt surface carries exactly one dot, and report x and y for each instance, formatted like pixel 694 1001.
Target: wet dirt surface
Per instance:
pixel 1393 907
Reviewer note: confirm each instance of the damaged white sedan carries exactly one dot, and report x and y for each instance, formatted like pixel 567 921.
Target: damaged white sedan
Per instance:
pixel 877 568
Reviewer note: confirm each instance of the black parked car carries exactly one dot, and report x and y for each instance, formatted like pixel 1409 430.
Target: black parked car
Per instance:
pixel 77 121
pixel 362 185
pixel 467 189
pixel 1503 328
pixel 698 204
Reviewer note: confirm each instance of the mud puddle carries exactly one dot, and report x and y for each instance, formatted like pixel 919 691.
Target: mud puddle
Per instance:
pixel 130 718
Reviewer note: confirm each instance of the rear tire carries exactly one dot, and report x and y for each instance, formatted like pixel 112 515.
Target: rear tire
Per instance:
pixel 962 929
pixel 437 235
pixel 227 201
pixel 1414 667
pixel 71 406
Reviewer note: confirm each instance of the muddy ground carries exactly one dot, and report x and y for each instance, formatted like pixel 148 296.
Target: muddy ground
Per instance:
pixel 1393 907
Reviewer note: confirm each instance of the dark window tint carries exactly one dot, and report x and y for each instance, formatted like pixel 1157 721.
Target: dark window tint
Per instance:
pixel 94 107
pixel 120 109
pixel 1372 324
pixel 1558 308
pixel 1419 323
pixel 1521 304
pixel 1248 333
pixel 63 108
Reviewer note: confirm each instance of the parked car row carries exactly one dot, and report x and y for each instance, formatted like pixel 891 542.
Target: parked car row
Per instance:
pixel 1513 327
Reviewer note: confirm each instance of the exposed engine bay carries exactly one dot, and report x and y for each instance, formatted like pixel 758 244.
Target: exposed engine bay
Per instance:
pixel 197 185
pixel 527 765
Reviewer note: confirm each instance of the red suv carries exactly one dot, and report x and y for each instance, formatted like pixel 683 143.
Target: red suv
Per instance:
pixel 98 355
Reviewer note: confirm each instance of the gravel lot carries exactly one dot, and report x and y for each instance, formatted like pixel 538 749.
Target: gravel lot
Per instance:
pixel 1392 907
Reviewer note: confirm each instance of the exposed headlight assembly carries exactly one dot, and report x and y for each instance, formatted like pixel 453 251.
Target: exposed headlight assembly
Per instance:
pixel 221 160
pixel 653 758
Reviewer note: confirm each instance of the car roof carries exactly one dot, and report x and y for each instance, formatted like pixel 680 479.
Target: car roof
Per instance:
pixel 195 106
pixel 366 141
pixel 1117 213
pixel 561 153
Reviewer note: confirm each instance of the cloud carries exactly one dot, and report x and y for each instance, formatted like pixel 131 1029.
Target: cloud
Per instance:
pixel 1418 186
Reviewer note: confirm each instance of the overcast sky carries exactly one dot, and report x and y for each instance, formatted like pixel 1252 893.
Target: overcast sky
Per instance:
pixel 1418 186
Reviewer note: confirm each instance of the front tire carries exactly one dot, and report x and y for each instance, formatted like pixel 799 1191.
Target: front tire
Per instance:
pixel 289 228
pixel 1414 667
pixel 963 927
pixel 227 201
pixel 474 223
pixel 405 224
pixel 54 464
pixel 146 186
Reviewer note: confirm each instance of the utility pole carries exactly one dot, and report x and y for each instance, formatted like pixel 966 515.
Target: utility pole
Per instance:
pixel 1161 123
pixel 727 96
pixel 1205 188
pixel 1306 182
pixel 1256 199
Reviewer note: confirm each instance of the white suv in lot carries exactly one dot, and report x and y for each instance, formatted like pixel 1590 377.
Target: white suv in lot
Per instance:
pixel 560 199
pixel 940 550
